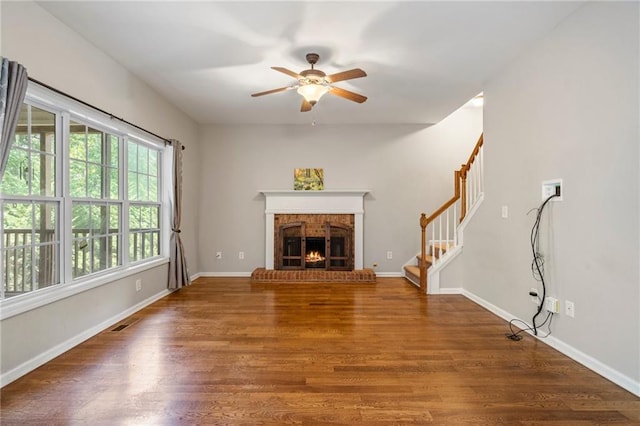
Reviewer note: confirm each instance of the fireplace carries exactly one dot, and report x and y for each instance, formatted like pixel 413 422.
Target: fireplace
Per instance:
pixel 315 252
pixel 314 241
pixel 343 209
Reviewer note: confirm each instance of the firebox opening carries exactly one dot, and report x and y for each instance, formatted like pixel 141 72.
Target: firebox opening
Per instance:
pixel 315 252
pixel 315 243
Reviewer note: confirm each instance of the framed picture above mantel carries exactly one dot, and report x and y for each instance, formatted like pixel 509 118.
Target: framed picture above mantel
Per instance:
pixel 308 179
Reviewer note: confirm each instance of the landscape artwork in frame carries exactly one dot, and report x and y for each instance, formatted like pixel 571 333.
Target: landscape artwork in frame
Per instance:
pixel 308 179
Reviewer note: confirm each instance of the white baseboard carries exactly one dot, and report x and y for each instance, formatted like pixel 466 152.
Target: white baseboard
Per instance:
pixel 588 361
pixel 58 350
pixel 224 274
pixel 389 274
pixel 451 290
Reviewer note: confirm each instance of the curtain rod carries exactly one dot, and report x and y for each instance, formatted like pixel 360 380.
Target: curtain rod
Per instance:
pixel 60 92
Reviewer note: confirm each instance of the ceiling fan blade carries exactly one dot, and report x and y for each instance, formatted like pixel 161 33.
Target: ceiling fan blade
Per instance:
pixel 287 72
pixel 268 92
pixel 306 106
pixel 347 94
pixel 346 75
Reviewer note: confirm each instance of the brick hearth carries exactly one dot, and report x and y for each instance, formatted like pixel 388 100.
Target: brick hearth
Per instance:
pixel 263 275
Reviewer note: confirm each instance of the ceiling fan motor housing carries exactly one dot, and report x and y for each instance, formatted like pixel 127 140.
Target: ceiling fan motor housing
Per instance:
pixel 312 77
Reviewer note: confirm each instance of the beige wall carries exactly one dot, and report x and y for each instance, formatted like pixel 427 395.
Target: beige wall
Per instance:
pixel 55 55
pixel 409 169
pixel 568 108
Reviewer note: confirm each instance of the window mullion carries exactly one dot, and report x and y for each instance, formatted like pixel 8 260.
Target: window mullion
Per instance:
pixel 29 151
pixel 32 247
pixel 67 204
pixel 86 161
pixel 124 197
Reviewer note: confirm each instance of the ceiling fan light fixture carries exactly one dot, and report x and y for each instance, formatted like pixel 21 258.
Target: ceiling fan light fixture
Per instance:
pixel 312 84
pixel 312 92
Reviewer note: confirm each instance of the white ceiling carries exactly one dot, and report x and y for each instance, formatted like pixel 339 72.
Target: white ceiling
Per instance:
pixel 423 59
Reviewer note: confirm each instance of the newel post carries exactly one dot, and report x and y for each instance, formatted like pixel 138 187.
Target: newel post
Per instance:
pixel 423 254
pixel 463 191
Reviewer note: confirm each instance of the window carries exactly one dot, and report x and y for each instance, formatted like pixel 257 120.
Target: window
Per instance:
pixel 80 198
pixel 30 206
pixel 96 209
pixel 144 208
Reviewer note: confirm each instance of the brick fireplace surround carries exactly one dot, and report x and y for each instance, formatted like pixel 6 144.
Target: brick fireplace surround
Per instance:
pixel 327 202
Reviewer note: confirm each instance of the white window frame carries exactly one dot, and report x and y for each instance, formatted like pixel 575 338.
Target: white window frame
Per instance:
pixel 56 198
pixel 159 203
pixel 90 201
pixel 67 109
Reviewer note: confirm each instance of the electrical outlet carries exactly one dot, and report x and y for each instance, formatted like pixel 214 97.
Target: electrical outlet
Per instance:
pixel 389 255
pixel 505 212
pixel 241 255
pixel 552 304
pixel 138 285
pixel 218 255
pixel 569 309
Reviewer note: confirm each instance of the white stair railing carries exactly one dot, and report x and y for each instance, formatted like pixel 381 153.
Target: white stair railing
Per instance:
pixel 442 225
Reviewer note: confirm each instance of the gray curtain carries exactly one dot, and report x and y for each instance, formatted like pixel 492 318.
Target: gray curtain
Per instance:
pixel 13 87
pixel 178 274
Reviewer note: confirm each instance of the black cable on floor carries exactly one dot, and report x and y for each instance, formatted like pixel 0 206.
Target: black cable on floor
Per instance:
pixel 515 335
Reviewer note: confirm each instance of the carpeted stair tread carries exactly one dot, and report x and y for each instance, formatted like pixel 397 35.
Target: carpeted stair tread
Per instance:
pixel 413 270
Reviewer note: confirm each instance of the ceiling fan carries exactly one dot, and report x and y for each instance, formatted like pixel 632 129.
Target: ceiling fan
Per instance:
pixel 313 83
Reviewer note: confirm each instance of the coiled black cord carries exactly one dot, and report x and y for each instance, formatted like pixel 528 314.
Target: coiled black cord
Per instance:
pixel 537 264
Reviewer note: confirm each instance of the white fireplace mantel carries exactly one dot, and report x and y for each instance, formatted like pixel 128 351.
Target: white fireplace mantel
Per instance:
pixel 343 201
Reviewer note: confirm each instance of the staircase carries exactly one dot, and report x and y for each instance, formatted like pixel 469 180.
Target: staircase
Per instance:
pixel 436 250
pixel 442 231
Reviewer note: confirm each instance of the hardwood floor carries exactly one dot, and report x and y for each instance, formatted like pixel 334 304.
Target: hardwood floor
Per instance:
pixel 225 351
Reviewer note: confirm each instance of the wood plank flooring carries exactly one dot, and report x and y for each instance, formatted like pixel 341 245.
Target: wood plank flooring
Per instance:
pixel 225 351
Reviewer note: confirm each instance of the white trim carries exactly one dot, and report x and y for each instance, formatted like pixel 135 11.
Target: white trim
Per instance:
pixel 62 103
pixel 195 276
pixel 65 215
pixel 588 361
pixel 451 290
pixel 433 273
pixel 468 216
pixel 322 193
pixel 341 201
pixel 489 306
pixel 416 284
pixel 389 274
pixel 57 350
pixel 224 274
pixel 19 304
pixel 433 280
